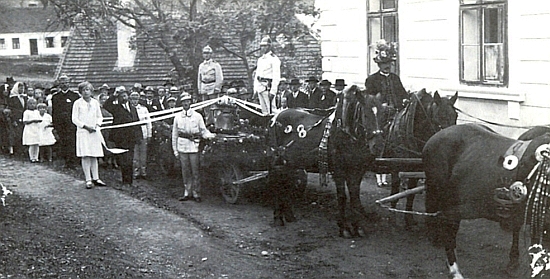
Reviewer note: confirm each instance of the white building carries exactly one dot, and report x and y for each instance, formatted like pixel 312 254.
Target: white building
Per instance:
pixel 495 53
pixel 31 32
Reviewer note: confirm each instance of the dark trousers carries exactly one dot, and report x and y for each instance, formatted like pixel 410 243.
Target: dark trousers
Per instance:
pixel 125 162
pixel 67 146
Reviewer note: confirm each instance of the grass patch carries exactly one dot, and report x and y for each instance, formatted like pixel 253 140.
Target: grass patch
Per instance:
pixel 30 70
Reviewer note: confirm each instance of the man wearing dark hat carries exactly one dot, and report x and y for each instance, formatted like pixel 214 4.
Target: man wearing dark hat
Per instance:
pixel 295 98
pixel 210 80
pixel 339 86
pixel 124 137
pixel 387 88
pixel 323 98
pixel 62 111
pixel 151 102
pixel 268 75
pixel 311 87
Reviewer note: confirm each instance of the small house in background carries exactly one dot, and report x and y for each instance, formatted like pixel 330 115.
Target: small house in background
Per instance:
pixel 493 52
pixel 28 29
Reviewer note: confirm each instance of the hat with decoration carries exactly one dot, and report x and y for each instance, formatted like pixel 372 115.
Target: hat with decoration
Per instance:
pixel 385 52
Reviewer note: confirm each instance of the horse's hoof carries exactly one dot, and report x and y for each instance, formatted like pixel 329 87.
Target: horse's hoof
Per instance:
pixel 345 233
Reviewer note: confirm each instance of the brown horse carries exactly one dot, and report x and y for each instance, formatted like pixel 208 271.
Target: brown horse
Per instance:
pixel 471 173
pixel 301 139
pixel 410 130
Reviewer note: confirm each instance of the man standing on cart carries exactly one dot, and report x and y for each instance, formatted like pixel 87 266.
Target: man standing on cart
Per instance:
pixel 268 75
pixel 187 130
pixel 210 79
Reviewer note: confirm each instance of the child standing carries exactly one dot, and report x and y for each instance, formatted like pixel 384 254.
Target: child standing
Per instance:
pixel 47 138
pixel 31 131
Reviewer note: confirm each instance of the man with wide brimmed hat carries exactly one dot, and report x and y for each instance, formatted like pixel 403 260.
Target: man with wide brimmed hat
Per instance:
pixel 323 98
pixel 312 87
pixel 187 130
pixel 268 75
pixel 295 97
pixel 210 76
pixel 387 88
pixel 62 111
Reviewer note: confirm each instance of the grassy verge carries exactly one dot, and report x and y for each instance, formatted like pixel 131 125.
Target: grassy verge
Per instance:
pixel 29 70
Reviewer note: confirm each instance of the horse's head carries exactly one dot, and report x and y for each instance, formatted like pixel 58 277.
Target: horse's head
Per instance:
pixel 360 117
pixel 440 112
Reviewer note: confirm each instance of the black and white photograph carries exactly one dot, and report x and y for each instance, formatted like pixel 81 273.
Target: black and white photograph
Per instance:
pixel 249 139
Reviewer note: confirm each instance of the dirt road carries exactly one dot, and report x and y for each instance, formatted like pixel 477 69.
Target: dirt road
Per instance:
pixel 51 227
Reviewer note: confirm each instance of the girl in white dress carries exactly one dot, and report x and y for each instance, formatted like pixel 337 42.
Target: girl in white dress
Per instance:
pixel 47 139
pixel 31 131
pixel 87 118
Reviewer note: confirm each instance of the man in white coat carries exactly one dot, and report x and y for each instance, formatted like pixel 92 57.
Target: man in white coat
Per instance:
pixel 268 75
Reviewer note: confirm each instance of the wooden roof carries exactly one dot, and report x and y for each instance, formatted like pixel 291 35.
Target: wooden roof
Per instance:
pixel 88 59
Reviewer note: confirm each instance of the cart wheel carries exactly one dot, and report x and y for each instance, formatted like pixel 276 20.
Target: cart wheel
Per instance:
pixel 301 181
pixel 227 175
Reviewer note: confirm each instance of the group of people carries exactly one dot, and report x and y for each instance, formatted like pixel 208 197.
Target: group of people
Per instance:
pixel 39 118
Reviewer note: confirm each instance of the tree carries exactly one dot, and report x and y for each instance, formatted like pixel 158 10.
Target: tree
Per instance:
pixel 182 27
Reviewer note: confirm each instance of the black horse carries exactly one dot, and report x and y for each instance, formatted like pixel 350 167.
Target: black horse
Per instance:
pixel 473 172
pixel 346 145
pixel 410 130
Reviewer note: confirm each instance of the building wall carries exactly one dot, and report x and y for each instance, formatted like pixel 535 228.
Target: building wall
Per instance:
pixel 343 40
pixel 429 57
pixel 25 48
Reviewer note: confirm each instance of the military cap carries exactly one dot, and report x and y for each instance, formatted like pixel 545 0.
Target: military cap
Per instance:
pixel 266 41
pixel 63 78
pixel 207 49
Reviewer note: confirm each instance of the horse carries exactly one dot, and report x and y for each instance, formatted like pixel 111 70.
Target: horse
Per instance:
pixel 411 128
pixel 345 145
pixel 472 172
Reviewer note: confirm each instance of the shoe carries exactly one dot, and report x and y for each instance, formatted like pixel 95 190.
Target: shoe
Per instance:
pixel 99 182
pixel 197 199
pixel 89 185
pixel 184 198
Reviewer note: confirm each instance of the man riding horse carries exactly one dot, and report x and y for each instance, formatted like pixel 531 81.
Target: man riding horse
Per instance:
pixel 387 88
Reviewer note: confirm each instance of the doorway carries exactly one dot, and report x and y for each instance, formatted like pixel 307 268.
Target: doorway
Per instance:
pixel 34 46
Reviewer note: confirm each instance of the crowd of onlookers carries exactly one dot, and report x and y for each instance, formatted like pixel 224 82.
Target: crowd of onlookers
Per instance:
pixel 36 122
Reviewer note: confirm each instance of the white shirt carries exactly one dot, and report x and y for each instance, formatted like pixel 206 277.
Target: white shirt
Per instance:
pixel 189 122
pixel 143 114
pixel 269 67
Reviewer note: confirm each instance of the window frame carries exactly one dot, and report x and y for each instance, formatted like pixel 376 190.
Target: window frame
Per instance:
pixel 15 43
pixel 64 41
pixel 481 6
pixel 2 44
pixel 381 14
pixel 49 40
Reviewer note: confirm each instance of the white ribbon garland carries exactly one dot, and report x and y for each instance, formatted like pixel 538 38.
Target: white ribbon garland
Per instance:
pixel 169 113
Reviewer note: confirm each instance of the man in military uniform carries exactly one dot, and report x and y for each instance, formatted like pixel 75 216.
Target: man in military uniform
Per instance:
pixel 268 75
pixel 62 111
pixel 387 88
pixel 210 77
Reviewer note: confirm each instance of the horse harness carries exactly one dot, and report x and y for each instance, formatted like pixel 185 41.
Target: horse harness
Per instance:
pixel 508 197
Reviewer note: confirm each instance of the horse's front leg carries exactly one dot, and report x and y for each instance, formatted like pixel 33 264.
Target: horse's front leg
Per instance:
pixel 341 198
pixel 514 251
